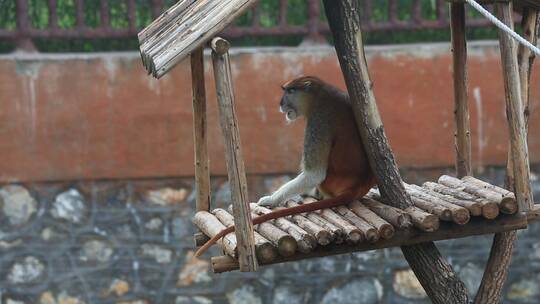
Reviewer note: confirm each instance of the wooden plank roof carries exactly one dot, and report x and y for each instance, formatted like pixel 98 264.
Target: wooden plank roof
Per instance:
pixel 184 27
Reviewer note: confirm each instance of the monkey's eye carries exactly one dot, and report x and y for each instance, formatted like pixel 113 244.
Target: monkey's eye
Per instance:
pixel 291 90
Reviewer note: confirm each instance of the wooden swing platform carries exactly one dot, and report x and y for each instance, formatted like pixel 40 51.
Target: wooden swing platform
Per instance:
pixel 449 209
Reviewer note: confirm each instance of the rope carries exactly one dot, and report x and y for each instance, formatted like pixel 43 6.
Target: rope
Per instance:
pixel 504 27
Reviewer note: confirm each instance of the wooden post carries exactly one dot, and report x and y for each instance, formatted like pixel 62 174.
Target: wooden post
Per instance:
pixel 434 273
pixel 503 243
pixel 461 108
pixel 233 153
pixel 202 173
pixel 514 112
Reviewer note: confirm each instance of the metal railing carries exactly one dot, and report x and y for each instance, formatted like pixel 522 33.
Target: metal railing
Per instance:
pixel 314 28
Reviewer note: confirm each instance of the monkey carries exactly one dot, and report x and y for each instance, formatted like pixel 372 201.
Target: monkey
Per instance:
pixel 334 158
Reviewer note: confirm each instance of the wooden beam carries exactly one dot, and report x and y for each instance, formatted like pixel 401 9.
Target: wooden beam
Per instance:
pixel 503 243
pixel 514 112
pixel 461 107
pixel 434 273
pixel 200 132
pixel 235 162
pixel 411 237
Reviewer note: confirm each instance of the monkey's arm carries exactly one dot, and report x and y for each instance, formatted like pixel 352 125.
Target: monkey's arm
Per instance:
pixel 317 145
pixel 327 203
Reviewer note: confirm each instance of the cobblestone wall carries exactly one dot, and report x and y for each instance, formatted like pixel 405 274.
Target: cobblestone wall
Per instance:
pixel 131 242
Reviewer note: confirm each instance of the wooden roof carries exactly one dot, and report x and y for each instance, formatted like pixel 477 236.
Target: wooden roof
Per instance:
pixel 190 24
pixel 186 26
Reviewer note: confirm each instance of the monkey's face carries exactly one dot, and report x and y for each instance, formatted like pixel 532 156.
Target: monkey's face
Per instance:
pixel 293 103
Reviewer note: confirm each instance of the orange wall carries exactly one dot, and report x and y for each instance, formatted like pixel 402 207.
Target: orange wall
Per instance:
pixel 70 116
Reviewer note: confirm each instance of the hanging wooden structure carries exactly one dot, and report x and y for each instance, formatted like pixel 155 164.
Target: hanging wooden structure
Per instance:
pixel 394 214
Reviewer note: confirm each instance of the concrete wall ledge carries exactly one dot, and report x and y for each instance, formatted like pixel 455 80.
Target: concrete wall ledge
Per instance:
pixel 98 115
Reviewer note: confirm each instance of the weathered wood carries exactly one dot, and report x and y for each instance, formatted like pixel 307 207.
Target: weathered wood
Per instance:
pixel 443 212
pixel 397 217
pixel 530 24
pixel 480 192
pixel 337 233
pixel 534 214
pixel 459 215
pixel 211 226
pixel 474 208
pixel 171 37
pixel 306 242
pixel 235 162
pixel 322 236
pixel 220 45
pixel 285 243
pixel 503 243
pixel 410 237
pixel 371 234
pixel 508 203
pixel 461 107
pixel 422 220
pixel 344 21
pixel 352 233
pixel 514 112
pixel 202 172
pixel 385 230
pixel 200 238
pixel 265 251
pixel 488 209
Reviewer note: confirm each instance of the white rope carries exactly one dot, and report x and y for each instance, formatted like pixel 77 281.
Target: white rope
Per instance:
pixel 504 27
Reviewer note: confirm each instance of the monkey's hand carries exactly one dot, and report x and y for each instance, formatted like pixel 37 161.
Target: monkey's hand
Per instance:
pixel 269 201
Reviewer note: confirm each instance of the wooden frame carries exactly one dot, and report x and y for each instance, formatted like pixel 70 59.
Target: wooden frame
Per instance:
pixel 164 44
pixel 401 238
pixel 233 154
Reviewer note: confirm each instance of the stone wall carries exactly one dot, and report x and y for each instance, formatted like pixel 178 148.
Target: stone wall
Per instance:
pixel 131 242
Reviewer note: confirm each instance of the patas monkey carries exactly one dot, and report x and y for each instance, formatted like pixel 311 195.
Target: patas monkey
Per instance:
pixel 334 158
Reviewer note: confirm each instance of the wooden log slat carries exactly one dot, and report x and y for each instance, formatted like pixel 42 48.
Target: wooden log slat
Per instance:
pixel 264 249
pixel 442 212
pixel 489 210
pixel 211 226
pixel 352 233
pixel 397 217
pixel 306 242
pixel 386 231
pixel 476 226
pixel 422 220
pixel 371 234
pixel 200 238
pixel 285 243
pixel 338 233
pixel 323 236
pixel 235 162
pixel 508 203
pixel 459 215
pixel 479 191
pixel 474 207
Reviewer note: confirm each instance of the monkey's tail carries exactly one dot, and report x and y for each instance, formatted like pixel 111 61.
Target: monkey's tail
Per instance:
pixel 339 200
